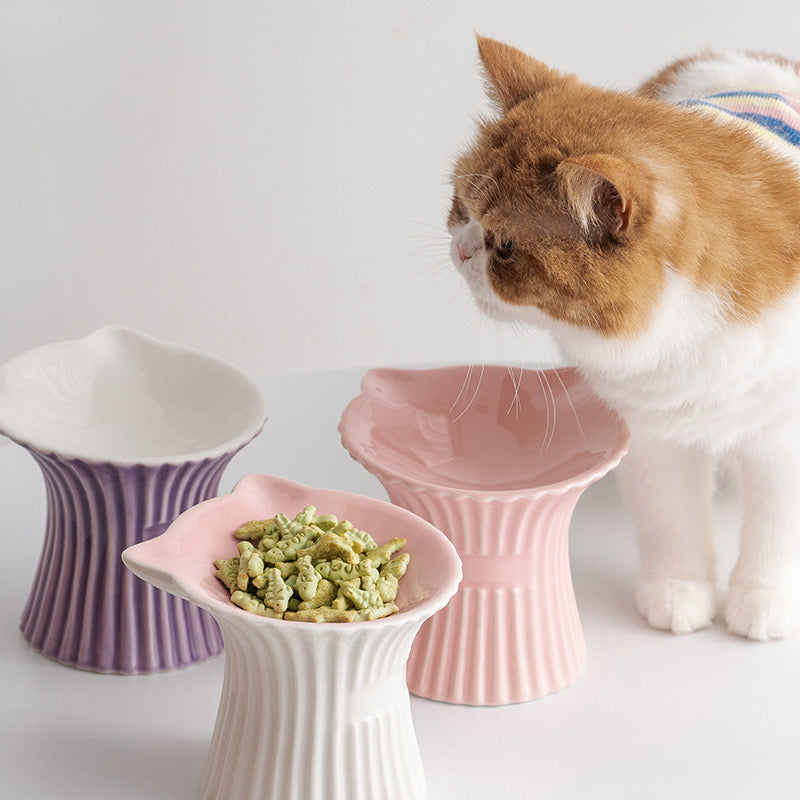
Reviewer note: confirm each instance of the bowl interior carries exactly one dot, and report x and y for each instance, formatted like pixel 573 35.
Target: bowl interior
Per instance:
pixel 118 394
pixel 490 430
pixel 182 559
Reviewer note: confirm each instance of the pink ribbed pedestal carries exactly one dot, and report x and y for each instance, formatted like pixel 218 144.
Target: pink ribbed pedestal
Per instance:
pixel 512 632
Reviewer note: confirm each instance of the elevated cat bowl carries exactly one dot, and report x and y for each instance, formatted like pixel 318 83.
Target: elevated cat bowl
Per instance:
pixel 497 463
pixel 128 432
pixel 309 711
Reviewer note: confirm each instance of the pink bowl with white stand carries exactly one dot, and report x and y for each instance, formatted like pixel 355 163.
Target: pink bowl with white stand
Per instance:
pixel 497 461
pixel 308 711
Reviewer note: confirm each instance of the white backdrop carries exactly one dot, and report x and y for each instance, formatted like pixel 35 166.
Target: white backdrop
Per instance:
pixel 267 180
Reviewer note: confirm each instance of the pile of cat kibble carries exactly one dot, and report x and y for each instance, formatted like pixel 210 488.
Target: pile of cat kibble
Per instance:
pixel 313 568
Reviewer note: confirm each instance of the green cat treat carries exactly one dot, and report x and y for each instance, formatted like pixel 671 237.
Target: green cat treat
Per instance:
pixel 313 568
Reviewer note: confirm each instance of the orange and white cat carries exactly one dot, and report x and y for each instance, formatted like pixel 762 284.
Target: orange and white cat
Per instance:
pixel 659 242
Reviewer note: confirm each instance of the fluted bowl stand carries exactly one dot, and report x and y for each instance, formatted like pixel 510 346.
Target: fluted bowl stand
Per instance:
pixel 497 461
pixel 512 632
pixel 128 432
pixel 311 715
pixel 309 711
pixel 85 609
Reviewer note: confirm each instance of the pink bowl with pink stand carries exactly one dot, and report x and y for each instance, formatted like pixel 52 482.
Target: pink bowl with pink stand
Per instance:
pixel 496 459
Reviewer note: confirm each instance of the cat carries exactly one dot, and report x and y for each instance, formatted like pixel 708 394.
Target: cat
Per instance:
pixel 659 242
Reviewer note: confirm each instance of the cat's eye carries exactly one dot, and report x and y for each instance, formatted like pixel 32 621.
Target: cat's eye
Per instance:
pixel 458 212
pixel 505 248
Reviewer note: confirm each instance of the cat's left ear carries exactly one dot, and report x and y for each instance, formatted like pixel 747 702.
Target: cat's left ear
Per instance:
pixel 601 191
pixel 511 75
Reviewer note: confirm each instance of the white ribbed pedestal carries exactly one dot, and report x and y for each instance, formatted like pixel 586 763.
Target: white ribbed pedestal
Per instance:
pixel 307 714
pixel 309 711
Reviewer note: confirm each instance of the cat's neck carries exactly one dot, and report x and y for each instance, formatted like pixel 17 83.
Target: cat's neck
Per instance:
pixel 690 364
pixel 683 320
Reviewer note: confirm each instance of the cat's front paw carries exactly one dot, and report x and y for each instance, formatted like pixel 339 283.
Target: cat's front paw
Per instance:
pixel 760 613
pixel 680 605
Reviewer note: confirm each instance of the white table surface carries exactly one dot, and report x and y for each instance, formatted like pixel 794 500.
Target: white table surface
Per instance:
pixel 653 715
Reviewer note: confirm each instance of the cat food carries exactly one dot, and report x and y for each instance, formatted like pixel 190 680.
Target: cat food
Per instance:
pixel 313 568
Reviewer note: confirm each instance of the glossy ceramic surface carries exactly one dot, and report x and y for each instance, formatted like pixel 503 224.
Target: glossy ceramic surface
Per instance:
pixel 128 432
pixel 122 397
pixel 496 460
pixel 308 711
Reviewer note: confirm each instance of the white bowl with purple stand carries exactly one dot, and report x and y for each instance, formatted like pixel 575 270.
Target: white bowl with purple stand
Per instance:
pixel 128 432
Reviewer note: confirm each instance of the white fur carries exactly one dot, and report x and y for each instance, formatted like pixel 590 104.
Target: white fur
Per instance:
pixel 695 387
pixel 735 71
pixel 730 71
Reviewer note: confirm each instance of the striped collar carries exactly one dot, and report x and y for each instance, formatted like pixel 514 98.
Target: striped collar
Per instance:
pixel 769 114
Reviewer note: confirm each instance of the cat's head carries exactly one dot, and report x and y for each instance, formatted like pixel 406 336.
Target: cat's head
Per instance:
pixel 554 206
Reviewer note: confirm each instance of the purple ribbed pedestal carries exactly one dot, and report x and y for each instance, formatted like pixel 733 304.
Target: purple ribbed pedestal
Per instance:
pixel 85 608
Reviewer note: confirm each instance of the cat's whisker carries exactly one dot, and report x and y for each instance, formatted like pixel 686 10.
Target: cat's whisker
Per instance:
pixel 474 394
pixel 467 175
pixel 595 320
pixel 419 242
pixel 516 403
pixel 442 273
pixel 431 252
pixel 571 405
pixel 417 222
pixel 468 377
pixel 463 388
pixel 479 187
pixel 431 272
pixel 555 409
pixel 425 238
pixel 520 330
pixel 547 411
pixel 480 191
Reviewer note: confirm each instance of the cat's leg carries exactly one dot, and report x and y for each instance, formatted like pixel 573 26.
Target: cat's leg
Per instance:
pixel 763 601
pixel 669 491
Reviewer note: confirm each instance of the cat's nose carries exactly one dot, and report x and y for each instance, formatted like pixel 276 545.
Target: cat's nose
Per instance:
pixel 463 254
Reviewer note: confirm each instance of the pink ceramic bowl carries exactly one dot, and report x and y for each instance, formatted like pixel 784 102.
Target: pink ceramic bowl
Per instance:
pixel 308 710
pixel 496 460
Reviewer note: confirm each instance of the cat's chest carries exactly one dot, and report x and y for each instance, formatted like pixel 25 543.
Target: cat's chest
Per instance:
pixel 695 380
pixel 710 402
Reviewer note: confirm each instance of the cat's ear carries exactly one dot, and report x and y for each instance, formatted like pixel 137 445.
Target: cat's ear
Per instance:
pixel 511 75
pixel 601 192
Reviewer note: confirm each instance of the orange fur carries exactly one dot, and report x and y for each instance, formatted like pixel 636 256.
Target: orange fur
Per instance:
pixel 598 190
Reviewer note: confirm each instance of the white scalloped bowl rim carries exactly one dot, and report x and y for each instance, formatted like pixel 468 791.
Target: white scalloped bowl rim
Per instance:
pixel 120 396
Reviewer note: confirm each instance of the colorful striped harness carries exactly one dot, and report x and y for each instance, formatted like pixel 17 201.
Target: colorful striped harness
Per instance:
pixel 765 113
